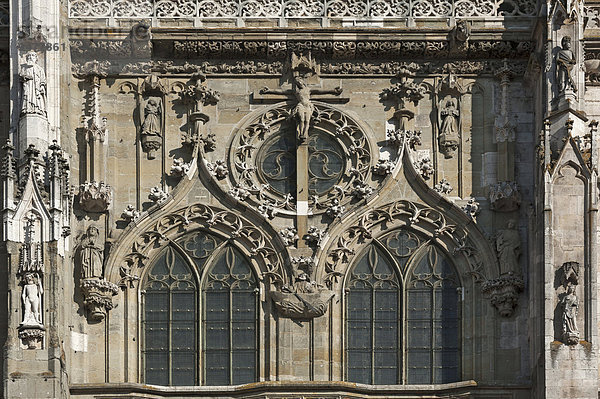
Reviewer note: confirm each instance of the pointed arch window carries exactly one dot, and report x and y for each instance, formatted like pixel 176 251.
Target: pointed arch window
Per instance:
pixel 402 314
pixel 200 333
pixel 169 324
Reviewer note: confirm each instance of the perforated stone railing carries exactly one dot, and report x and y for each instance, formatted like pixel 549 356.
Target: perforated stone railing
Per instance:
pixel 300 8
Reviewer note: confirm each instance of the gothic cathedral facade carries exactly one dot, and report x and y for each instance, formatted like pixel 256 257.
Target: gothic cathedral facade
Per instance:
pixel 300 198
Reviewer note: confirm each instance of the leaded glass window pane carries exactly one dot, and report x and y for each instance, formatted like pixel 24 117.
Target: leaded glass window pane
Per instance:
pixel 433 321
pixel 375 351
pixel 373 320
pixel 230 321
pixel 277 162
pixel 169 323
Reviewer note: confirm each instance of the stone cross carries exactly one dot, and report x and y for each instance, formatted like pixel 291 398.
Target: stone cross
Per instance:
pixel 302 114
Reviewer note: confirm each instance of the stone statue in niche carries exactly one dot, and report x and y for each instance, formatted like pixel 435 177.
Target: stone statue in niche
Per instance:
pixel 508 245
pixel 91 255
pixel 34 86
pixel 565 63
pixel 304 108
pixel 32 300
pixel 151 134
pixel 569 306
pixel 449 126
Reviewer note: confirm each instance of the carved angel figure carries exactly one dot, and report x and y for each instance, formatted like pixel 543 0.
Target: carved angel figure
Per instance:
pixel 570 306
pixel 32 300
pixel 91 255
pixel 448 117
pixel 565 62
pixel 304 108
pixel 151 134
pixel 34 86
pixel 508 245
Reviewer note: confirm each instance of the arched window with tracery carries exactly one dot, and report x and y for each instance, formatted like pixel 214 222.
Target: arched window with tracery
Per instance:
pixel 402 313
pixel 200 314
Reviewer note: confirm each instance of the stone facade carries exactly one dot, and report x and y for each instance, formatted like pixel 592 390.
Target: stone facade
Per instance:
pixel 311 157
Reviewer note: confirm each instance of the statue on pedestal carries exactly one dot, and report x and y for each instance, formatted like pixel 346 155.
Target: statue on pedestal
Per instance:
pixel 565 63
pixel 33 78
pixel 91 255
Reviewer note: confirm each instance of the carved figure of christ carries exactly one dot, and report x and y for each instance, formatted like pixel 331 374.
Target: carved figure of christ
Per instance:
pixel 302 113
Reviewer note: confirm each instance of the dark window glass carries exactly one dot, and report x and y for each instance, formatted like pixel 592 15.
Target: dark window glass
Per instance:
pixel 375 352
pixel 169 322
pixel 373 320
pixel 230 304
pixel 432 317
pixel 170 309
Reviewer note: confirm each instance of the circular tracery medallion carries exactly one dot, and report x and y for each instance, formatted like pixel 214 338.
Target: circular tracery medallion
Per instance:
pixel 264 161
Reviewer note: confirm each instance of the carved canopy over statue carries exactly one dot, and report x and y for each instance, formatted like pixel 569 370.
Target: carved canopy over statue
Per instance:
pixel 34 86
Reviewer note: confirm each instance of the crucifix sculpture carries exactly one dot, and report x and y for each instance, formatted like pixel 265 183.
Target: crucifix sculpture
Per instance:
pixel 302 113
pixel 304 108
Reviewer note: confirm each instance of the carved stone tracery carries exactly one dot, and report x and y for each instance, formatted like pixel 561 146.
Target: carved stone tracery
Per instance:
pixel 263 160
pixel 404 214
pixel 299 9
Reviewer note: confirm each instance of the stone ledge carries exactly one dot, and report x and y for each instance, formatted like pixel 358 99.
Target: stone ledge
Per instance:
pixel 281 389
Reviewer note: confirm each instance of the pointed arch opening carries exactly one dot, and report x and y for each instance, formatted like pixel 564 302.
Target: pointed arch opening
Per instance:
pixel 403 313
pixel 200 314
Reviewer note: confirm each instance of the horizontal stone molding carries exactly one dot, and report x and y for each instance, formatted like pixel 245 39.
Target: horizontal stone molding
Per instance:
pixel 375 9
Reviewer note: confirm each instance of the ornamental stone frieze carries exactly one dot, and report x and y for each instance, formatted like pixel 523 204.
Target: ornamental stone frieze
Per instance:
pixel 254 67
pixel 84 49
pixel 333 9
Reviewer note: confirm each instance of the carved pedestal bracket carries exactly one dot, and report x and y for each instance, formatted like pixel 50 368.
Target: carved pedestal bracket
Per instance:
pixel 98 295
pixel 302 305
pixel 504 293
pixel 95 196
pixel 505 196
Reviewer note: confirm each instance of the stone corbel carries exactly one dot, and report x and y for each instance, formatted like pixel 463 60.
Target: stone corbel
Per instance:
pixel 305 299
pixel 504 293
pixel 98 295
pixel 302 306
pixel 504 196
pixel 95 197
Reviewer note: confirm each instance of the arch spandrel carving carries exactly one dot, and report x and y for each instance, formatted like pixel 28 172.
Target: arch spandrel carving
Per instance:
pixel 474 257
pixel 144 241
